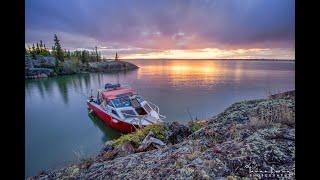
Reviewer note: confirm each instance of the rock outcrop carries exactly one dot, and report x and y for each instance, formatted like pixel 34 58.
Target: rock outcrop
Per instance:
pixel 43 66
pixel 111 66
pixel 249 139
pixel 39 67
pixel 44 61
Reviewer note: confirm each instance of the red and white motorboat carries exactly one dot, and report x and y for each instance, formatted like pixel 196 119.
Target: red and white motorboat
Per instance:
pixel 121 108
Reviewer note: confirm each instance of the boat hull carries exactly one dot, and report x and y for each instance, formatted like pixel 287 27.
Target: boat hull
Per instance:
pixel 110 121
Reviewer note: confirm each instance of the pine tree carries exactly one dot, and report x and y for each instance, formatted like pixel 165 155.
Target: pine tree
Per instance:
pixel 53 52
pixel 97 55
pixel 83 57
pixel 46 49
pixel 117 57
pixel 41 44
pixel 37 49
pixel 57 49
pixel 33 52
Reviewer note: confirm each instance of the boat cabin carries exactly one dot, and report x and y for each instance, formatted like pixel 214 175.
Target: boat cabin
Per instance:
pixel 122 102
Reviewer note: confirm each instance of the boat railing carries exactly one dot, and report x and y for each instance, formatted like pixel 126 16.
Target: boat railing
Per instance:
pixel 156 108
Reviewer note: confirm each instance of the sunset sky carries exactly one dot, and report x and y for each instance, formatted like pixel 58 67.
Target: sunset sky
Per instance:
pixel 193 29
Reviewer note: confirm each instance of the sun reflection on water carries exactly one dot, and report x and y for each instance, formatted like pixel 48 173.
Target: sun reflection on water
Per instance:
pixel 186 73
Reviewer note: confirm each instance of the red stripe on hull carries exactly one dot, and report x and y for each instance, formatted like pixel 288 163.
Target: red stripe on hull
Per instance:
pixel 107 119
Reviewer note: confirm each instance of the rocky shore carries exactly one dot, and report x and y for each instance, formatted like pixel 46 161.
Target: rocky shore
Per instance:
pixel 250 139
pixel 43 66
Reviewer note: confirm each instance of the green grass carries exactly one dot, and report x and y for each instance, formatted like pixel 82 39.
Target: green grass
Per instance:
pixel 195 127
pixel 137 137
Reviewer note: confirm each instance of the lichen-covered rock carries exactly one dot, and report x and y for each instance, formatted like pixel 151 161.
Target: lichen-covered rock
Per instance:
pixel 150 140
pixel 40 67
pixel 126 149
pixel 232 145
pixel 44 61
pixel 111 66
pixel 176 132
pixel 28 61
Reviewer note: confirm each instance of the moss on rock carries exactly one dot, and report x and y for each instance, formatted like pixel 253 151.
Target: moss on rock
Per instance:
pixel 137 137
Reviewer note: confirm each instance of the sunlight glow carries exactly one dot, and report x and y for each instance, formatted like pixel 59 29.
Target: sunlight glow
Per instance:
pixel 180 71
pixel 214 53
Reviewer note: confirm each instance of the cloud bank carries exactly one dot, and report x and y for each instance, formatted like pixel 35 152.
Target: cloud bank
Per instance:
pixel 151 27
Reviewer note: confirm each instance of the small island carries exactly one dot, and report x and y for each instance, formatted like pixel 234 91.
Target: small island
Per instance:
pixel 40 62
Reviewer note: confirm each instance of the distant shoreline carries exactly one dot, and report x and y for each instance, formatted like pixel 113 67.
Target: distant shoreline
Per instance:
pixel 45 66
pixel 290 60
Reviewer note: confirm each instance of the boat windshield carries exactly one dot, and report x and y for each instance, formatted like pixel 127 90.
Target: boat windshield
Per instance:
pixel 139 98
pixel 123 101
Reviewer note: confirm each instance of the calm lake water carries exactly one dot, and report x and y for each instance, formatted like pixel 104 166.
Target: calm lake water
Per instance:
pixel 59 129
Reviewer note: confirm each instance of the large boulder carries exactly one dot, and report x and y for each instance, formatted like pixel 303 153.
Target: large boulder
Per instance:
pixel 176 132
pixel 28 61
pixel 126 149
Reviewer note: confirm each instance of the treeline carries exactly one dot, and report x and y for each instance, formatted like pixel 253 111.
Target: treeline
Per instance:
pixel 39 49
pixel 56 51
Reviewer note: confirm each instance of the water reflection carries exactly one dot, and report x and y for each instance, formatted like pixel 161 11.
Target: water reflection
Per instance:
pixel 47 86
pixel 180 73
pixel 40 89
pixel 66 85
pixel 207 73
pixel 87 81
pixel 108 133
pixel 204 87
pixel 63 88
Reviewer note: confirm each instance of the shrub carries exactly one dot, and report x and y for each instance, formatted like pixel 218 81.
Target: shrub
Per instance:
pixel 267 115
pixel 137 137
pixel 196 125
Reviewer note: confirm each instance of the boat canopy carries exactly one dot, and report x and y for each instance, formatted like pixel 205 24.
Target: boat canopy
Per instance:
pixel 117 92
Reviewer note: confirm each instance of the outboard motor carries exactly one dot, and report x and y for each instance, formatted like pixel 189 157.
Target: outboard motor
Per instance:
pixel 111 86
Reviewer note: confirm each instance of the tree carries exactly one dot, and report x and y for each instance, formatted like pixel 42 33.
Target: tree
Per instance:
pixel 57 49
pixel 68 54
pixel 46 49
pixel 37 49
pixel 82 57
pixel 41 45
pixel 117 57
pixel 53 51
pixel 28 49
pixel 33 52
pixel 97 55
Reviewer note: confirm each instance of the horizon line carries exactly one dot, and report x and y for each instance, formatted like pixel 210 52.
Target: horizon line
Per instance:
pixel 269 59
